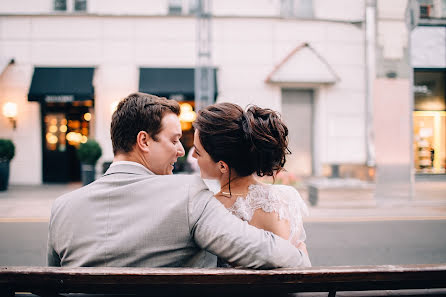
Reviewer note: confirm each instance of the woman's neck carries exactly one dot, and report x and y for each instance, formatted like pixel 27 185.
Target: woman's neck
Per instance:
pixel 238 185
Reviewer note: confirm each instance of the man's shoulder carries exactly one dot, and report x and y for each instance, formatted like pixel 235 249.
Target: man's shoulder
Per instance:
pixel 69 197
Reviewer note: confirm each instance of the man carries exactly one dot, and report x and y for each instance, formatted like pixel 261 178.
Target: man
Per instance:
pixel 139 214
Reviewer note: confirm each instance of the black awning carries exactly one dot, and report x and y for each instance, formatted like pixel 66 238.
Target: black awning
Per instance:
pixel 174 83
pixel 61 84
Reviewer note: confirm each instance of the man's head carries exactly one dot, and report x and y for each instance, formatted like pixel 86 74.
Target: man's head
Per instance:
pixel 147 128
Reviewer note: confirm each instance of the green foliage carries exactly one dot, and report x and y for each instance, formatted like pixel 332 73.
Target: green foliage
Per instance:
pixel 89 152
pixel 7 150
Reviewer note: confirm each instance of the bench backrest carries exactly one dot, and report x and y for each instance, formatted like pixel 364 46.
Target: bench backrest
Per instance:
pixel 217 282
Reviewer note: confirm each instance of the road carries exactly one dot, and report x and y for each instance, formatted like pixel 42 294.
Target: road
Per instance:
pixel 329 243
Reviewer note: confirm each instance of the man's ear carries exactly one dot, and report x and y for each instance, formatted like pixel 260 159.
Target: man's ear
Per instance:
pixel 223 166
pixel 143 141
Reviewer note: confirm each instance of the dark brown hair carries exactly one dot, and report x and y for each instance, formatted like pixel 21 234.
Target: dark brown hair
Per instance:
pixel 138 112
pixel 255 140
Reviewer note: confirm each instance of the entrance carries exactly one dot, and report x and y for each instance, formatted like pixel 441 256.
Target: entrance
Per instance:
pixel 64 127
pixel 297 112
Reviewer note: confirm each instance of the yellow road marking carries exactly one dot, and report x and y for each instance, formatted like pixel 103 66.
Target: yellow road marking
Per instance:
pixel 373 219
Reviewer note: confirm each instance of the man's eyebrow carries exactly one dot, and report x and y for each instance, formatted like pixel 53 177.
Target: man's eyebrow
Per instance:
pixel 195 148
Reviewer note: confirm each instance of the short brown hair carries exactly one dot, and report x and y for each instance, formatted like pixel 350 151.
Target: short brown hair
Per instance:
pixel 255 140
pixel 138 112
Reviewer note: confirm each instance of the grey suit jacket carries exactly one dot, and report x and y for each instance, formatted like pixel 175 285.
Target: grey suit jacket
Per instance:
pixel 131 217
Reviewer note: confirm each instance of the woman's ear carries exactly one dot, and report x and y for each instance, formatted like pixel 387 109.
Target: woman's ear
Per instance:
pixel 223 166
pixel 143 141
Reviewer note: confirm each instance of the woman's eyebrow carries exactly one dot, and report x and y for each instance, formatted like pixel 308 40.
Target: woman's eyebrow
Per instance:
pixel 195 148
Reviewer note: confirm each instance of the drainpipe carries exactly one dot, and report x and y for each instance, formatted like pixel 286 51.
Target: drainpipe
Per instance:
pixel 370 75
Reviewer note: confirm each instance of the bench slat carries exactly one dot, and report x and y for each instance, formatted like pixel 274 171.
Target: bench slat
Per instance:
pixel 185 281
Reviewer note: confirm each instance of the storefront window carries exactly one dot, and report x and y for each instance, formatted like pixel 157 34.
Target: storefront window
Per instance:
pixel 430 122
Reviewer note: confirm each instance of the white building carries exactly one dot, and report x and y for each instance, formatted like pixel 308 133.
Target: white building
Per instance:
pixel 303 58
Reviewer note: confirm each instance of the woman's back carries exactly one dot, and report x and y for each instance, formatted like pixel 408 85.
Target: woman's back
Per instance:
pixel 275 208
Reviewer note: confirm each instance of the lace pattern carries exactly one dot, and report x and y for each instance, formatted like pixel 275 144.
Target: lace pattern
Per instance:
pixel 284 200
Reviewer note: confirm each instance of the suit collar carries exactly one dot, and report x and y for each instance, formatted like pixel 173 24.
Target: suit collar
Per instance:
pixel 127 167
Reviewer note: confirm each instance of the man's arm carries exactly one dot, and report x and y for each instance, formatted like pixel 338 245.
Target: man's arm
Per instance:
pixel 52 257
pixel 215 229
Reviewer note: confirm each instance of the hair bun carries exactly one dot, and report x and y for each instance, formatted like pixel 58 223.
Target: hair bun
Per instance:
pixel 267 138
pixel 254 140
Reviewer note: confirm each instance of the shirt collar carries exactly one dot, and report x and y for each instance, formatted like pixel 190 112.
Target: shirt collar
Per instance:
pixel 130 163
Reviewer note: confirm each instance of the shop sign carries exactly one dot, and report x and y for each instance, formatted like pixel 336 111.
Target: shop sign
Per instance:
pixel 422 89
pixel 59 98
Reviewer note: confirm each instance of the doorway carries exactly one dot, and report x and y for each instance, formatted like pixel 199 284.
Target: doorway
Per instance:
pixel 64 127
pixel 298 114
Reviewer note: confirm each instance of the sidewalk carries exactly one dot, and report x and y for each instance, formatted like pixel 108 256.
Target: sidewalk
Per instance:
pixel 33 203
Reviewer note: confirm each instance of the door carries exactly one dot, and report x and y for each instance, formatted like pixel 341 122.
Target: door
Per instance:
pixel 64 128
pixel 297 112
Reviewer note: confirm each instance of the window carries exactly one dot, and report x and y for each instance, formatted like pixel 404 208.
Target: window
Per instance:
pixel 60 5
pixel 443 9
pixel 70 5
pixel 175 6
pixel 297 8
pixel 183 6
pixel 193 6
pixel 426 8
pixel 80 5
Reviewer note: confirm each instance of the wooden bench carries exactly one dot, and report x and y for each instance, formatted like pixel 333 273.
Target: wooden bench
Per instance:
pixel 49 281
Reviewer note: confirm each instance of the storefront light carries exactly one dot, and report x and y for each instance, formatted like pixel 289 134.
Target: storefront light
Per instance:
pixel 10 111
pixel 87 116
pixel 63 128
pixel 187 114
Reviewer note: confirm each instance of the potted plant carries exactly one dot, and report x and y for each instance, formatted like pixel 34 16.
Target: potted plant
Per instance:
pixel 88 154
pixel 7 151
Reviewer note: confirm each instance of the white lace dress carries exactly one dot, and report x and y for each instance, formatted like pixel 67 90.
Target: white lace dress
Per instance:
pixel 284 200
pixel 281 199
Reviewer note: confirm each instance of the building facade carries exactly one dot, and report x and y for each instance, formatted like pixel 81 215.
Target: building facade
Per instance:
pixel 73 60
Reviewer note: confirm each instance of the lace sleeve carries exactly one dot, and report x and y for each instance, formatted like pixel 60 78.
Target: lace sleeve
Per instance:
pixel 284 200
pixel 293 209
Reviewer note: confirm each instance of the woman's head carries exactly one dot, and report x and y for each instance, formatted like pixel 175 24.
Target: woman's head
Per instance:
pixel 255 140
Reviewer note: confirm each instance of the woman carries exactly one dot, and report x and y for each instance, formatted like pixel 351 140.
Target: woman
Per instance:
pixel 231 145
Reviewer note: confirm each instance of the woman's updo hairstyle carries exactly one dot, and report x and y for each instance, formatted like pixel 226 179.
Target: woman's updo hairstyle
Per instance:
pixel 255 140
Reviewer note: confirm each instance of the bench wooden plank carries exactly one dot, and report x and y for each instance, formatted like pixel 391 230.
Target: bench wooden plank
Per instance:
pixel 213 282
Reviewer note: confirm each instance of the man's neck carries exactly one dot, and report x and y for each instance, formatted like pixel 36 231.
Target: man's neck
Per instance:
pixel 130 157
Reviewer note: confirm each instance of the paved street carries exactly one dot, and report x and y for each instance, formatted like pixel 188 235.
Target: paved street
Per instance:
pixel 329 243
pixel 346 228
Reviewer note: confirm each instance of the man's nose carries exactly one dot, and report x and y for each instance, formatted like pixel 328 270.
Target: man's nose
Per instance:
pixel 180 152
